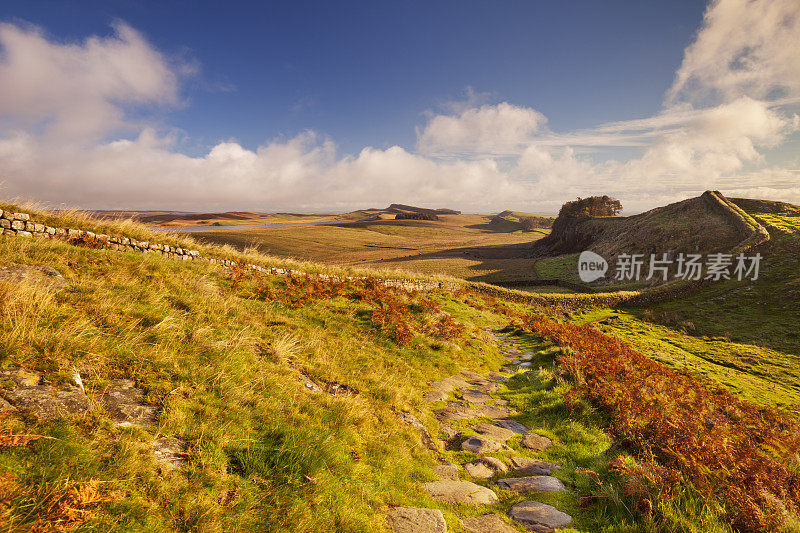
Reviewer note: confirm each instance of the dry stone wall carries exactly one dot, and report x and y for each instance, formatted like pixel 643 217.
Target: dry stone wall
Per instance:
pixel 17 224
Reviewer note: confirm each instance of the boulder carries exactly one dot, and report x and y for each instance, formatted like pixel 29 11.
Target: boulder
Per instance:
pixel 461 492
pixel 415 520
pixel 531 484
pixel 489 523
pixel 539 517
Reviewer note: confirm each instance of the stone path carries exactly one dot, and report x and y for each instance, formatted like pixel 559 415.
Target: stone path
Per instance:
pixel 469 397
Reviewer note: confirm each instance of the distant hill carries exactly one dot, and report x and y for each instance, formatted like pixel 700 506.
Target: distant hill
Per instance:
pixel 519 221
pixel 413 209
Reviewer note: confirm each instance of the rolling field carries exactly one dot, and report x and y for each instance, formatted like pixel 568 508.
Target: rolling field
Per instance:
pixel 464 246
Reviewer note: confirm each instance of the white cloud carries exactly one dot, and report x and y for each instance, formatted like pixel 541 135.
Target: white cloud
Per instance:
pixel 745 48
pixel 76 91
pixel 489 129
pixel 66 139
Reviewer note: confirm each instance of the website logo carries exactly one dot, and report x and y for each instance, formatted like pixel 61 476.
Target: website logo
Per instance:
pixel 591 266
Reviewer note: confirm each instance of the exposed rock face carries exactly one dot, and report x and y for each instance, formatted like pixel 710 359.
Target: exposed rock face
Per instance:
pixel 539 517
pixel 523 465
pixel 20 376
pixel 531 484
pixel 447 472
pixel 48 403
pixel 461 492
pixel 171 452
pixel 424 435
pixel 485 467
pixel 415 520
pixel 536 442
pixel 489 523
pixel 481 445
pixel 447 431
pixel 127 406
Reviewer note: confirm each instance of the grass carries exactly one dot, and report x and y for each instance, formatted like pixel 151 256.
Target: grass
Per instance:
pixel 462 246
pixel 224 356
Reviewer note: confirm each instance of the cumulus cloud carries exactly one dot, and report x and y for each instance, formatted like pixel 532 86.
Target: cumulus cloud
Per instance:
pixel 65 137
pixel 744 48
pixel 75 90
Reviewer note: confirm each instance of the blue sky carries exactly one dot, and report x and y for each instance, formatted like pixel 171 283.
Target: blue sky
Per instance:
pixel 317 83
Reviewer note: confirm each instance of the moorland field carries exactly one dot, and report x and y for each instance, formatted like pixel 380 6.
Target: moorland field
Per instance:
pixel 141 392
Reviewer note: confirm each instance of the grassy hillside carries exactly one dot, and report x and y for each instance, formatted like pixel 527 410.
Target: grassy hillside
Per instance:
pixel 285 397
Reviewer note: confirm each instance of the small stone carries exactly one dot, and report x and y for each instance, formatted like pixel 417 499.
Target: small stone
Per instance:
pixel 539 517
pixel 526 365
pixel 434 396
pixel 506 370
pixel 461 492
pixel 171 452
pixel 48 403
pixel 447 472
pixel 489 523
pixel 447 431
pixel 441 386
pixel 5 407
pixel 531 484
pixel 481 445
pixel 514 426
pixel 127 406
pixel 526 356
pixel 424 435
pixel 493 432
pixel 474 396
pixel 485 467
pixel 491 411
pixel 502 403
pixel 415 520
pixel 536 442
pixel 523 465
pixel 497 377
